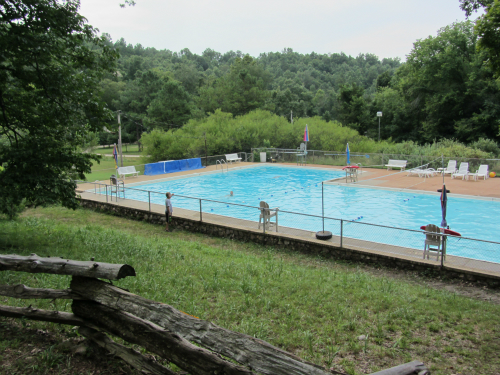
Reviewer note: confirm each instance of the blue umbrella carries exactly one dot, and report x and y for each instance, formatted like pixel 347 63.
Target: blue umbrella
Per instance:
pixel 444 200
pixel 348 156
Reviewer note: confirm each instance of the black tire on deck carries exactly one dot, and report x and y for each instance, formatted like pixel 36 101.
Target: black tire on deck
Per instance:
pixel 323 235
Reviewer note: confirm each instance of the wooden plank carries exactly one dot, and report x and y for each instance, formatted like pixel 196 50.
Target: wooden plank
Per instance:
pixel 43 315
pixel 24 292
pixel 169 345
pixel 59 266
pixel 133 358
pixel 410 368
pixel 258 355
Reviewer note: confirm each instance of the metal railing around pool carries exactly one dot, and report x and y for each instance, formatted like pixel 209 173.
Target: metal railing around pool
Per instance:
pixel 370 160
pixel 481 255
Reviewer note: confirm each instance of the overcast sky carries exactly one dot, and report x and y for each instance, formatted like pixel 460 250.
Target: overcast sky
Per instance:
pixel 386 28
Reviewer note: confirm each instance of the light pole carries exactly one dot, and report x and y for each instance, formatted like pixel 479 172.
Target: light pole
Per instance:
pixel 120 138
pixel 379 115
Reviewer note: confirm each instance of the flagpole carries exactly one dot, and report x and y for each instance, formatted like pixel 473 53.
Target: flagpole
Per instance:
pixel 442 166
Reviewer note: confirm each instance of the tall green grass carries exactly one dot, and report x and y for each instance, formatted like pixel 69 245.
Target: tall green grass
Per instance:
pixel 106 167
pixel 313 307
pixel 127 149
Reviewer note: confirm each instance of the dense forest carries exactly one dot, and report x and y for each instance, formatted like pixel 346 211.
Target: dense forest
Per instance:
pixel 164 89
pixel 445 89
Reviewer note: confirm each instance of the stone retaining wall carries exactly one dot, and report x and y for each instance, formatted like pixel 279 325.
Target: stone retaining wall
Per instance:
pixel 277 240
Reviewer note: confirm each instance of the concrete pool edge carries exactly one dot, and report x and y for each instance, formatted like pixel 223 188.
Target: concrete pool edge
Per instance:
pixel 412 191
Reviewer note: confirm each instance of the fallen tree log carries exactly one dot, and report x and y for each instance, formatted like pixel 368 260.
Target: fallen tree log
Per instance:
pixel 133 358
pixel 258 355
pixel 24 292
pixel 43 315
pixel 410 368
pixel 167 344
pixel 59 266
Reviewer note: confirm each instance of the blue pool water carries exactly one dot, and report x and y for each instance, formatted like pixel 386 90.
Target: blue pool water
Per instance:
pixel 299 190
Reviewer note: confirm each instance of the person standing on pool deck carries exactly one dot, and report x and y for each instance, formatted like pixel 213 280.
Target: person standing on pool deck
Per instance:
pixel 169 210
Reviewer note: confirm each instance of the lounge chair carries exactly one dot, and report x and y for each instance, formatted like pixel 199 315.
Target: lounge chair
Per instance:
pixel 422 171
pixel 463 171
pixel 117 187
pixel 435 240
pixel 266 214
pixel 481 172
pixel 416 171
pixel 450 169
pixel 428 172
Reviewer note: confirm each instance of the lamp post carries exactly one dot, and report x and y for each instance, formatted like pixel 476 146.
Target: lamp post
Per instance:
pixel 379 115
pixel 120 138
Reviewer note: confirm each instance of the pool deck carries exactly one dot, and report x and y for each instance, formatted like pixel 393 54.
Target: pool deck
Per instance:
pixel 374 178
pixel 370 177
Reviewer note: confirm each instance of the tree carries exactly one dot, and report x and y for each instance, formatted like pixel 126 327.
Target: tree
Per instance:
pixel 172 106
pixel 354 108
pixel 487 28
pixel 50 68
pixel 446 90
pixel 384 80
pixel 240 91
pixel 470 6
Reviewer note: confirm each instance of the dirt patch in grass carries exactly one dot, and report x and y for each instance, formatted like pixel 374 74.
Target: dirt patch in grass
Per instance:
pixel 26 349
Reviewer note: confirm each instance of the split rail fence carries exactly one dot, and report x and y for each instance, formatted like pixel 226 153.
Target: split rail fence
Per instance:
pixel 194 345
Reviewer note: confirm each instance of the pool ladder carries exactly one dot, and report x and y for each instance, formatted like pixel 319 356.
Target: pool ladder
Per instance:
pixel 221 166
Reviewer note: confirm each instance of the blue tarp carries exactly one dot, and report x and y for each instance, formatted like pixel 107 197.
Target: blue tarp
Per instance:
pixel 172 166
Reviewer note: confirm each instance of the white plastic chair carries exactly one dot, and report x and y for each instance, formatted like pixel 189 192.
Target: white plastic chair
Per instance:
pixel 463 171
pixel 481 172
pixel 435 240
pixel 428 172
pixel 451 168
pixel 417 170
pixel 117 187
pixel 266 214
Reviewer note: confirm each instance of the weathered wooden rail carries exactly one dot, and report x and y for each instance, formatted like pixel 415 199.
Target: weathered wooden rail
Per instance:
pixel 194 345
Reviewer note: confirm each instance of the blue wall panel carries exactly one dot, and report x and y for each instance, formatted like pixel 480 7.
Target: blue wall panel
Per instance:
pixel 172 166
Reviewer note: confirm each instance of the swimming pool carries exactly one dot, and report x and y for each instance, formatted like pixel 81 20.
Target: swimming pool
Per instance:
pixel 299 190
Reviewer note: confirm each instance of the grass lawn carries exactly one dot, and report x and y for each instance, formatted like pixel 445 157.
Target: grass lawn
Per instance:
pixel 313 307
pixel 106 167
pixel 126 150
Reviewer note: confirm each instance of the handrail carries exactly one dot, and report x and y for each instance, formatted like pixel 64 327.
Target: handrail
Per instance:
pixel 227 167
pixel 346 221
pixel 221 166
